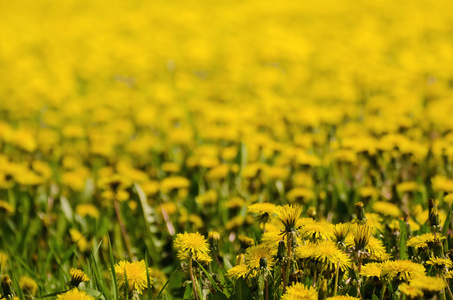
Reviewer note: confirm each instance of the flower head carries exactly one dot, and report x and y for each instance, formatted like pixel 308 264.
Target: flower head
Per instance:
pixel 328 253
pixel 75 294
pixel 28 285
pixel 371 270
pixel 403 269
pixel 428 284
pixel 135 272
pixel 263 210
pixel 299 292
pixel 237 271
pixel 410 291
pixel 289 214
pixel 254 254
pixel 77 277
pixel 192 245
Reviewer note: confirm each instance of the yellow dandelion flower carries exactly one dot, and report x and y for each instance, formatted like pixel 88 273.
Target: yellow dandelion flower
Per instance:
pixel 440 263
pixel 135 273
pixel 28 285
pixel 410 291
pixel 87 209
pixel 387 209
pixel 75 294
pixel 428 284
pixel 371 270
pixel 362 236
pixel 262 209
pixel 328 253
pixel 6 207
pixel 173 183
pixel 342 298
pixel 377 249
pixel 245 241
pixel 339 232
pixel 254 254
pixel 402 269
pixel 79 238
pixel 235 202
pixel 289 214
pixel 299 292
pixel 423 240
pixel 192 245
pixel 237 271
pixel 306 251
pixel 316 230
pixel 77 277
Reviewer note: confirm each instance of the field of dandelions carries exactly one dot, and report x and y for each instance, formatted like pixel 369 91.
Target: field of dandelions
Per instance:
pixel 238 149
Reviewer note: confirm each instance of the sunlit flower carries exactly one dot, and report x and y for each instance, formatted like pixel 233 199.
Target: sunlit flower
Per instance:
pixel 298 291
pixel 402 269
pixel 423 240
pixel 28 286
pixel 237 271
pixel 75 294
pixel 134 273
pixel 192 245
pixel 428 284
pixel 254 254
pixel 410 291
pixel 289 214
pixel 77 277
pixel 371 270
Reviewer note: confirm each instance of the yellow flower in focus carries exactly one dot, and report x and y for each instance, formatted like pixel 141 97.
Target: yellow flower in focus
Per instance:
pixel 342 298
pixel 298 291
pixel 135 273
pixel 192 245
pixel 328 253
pixel 403 269
pixel 423 240
pixel 289 214
pixel 371 270
pixel 75 294
pixel 440 262
pixel 237 271
pixel 254 254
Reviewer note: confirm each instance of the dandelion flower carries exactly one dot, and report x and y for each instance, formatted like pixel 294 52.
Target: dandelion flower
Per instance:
pixel 28 286
pixel 328 253
pixel 342 298
pixel 237 271
pixel 339 232
pixel 192 245
pixel 440 262
pixel 410 291
pixel 299 292
pixel 316 230
pixel 263 210
pixel 289 214
pixel 403 269
pixel 423 240
pixel 77 277
pixel 135 273
pixel 428 284
pixel 75 294
pixel 254 254
pixel 371 270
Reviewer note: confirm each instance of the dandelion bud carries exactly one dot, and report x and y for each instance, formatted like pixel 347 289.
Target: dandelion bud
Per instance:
pixel 213 240
pixel 281 253
pixel 263 262
pixel 360 212
pixel 434 220
pixel 240 259
pixel 311 212
pixel 6 285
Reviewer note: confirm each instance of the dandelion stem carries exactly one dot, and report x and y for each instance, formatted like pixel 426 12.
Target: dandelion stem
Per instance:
pixel 448 288
pixel 195 290
pixel 336 279
pixel 289 237
pixel 266 290
pixel 123 229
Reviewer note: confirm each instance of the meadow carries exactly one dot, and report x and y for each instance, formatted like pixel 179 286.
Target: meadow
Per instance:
pixel 237 149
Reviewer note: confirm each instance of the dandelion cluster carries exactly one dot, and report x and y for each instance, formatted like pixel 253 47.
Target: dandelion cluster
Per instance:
pixel 227 149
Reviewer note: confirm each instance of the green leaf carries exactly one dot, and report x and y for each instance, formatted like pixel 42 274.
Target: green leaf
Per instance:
pixel 403 240
pixel 94 293
pixel 218 296
pixel 214 284
pixel 374 297
pixel 112 270
pixel 66 208
pixel 188 292
pixel 242 290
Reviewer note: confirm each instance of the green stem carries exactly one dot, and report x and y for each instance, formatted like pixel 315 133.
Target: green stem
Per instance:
pixel 336 279
pixel 195 289
pixel 289 238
